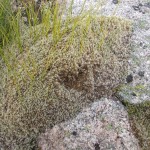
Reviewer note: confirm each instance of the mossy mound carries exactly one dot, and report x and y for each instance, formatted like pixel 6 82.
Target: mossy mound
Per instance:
pixel 56 75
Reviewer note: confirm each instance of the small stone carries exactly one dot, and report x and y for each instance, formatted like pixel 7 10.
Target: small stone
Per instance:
pixel 147 5
pixel 141 73
pixel 140 10
pixel 115 1
pixel 74 133
pixel 140 4
pixel 129 78
pixel 136 8
pixel 114 112
pixel 141 44
pixel 133 94
pixel 144 47
pixel 97 147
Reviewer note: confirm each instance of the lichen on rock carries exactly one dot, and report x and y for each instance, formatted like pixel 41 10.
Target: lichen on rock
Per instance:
pixel 103 125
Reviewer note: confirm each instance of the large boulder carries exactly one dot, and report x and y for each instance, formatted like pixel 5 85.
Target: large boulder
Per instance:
pixel 103 125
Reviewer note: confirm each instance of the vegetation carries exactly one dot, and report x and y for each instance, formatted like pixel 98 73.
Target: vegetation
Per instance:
pixel 55 67
pixel 9 27
pixel 139 115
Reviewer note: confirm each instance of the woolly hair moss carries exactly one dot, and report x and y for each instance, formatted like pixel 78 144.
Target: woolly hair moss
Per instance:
pixel 51 80
pixel 64 65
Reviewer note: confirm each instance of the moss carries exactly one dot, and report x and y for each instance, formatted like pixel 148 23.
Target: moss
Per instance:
pixel 55 76
pixel 140 87
pixel 139 115
pixel 125 91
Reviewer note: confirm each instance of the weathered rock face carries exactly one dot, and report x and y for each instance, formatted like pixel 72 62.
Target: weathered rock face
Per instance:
pixel 139 62
pixel 104 125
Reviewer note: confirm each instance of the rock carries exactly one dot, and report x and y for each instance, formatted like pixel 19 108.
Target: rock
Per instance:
pixel 74 133
pixel 140 4
pixel 129 78
pixel 97 147
pixel 133 94
pixel 115 1
pixel 103 125
pixel 141 44
pixel 147 4
pixel 144 47
pixel 136 8
pixel 141 73
pixel 126 93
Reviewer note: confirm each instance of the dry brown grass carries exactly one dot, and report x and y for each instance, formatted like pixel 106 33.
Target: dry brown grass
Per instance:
pixel 57 75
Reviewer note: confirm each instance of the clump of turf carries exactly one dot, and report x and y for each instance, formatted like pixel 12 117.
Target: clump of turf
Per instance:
pixel 79 60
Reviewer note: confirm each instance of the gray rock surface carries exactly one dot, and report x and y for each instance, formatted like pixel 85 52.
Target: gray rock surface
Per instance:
pixel 104 125
pixel 137 11
pixel 140 58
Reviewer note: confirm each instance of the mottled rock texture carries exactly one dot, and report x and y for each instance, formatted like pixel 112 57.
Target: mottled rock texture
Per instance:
pixel 104 125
